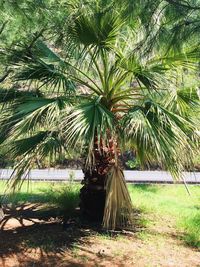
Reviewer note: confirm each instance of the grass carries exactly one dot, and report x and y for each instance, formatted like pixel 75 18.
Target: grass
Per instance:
pixel 43 192
pixel 159 205
pixel 171 203
pixel 62 197
pixel 65 198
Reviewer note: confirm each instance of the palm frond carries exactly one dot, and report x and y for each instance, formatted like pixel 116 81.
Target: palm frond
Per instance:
pixel 95 28
pixel 27 113
pixel 48 74
pixel 118 207
pixel 159 134
pixel 41 145
pixel 87 121
pixel 10 95
pixel 183 102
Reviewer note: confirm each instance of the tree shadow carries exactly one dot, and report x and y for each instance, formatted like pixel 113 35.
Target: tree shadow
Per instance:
pixel 45 235
pixel 45 242
pixel 34 213
pixel 37 227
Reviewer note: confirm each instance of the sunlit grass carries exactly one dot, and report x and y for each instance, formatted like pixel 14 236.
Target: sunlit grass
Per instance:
pixel 162 202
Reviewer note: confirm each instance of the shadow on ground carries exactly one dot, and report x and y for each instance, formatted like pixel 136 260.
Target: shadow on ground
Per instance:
pixel 33 236
pixel 27 228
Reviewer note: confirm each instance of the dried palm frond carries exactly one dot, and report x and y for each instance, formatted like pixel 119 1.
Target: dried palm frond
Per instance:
pixel 1 214
pixel 118 206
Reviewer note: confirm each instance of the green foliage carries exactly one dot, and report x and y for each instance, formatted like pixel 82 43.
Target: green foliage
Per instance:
pixel 133 164
pixel 97 29
pixel 66 199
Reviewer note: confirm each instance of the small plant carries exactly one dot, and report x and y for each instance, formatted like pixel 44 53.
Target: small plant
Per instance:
pixel 133 164
pixel 66 199
pixel 71 177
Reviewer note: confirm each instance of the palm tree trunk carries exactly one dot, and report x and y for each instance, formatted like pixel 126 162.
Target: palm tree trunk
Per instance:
pixel 105 198
pixel 93 192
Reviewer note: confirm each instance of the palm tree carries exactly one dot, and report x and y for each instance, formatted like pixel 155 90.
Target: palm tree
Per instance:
pixel 101 92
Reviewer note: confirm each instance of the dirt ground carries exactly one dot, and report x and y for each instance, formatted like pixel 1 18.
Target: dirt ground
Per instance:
pixel 30 238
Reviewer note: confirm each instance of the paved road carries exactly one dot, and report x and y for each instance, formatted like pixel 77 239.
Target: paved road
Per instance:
pixel 131 176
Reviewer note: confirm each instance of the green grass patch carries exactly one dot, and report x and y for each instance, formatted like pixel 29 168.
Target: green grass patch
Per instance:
pixel 163 202
pixel 43 192
pixel 191 226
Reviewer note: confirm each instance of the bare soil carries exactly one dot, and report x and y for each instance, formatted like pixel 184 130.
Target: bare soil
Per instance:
pixel 29 237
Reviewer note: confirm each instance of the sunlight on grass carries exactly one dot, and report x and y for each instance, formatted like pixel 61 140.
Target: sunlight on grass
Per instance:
pixel 171 201
pixel 38 191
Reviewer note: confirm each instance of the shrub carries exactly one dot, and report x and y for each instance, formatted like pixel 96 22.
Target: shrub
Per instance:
pixel 66 199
